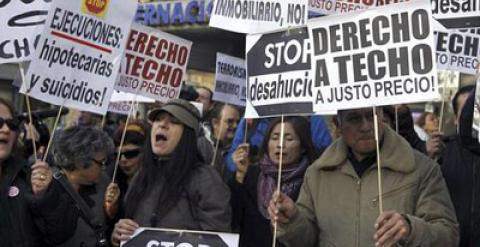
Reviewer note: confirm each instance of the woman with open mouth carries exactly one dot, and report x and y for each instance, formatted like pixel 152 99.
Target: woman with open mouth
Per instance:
pixel 174 188
pixel 254 184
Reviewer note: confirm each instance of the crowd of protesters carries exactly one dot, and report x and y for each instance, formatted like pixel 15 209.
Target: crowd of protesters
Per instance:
pixel 215 171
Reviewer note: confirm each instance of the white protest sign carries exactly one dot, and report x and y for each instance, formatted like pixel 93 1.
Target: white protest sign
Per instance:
pixel 78 55
pixel 457 13
pixel 456 50
pixel 154 64
pixel 442 55
pixel 120 107
pixel 258 16
pixel 21 23
pixel 230 80
pixel 380 56
pixel 328 7
pixel 180 238
pixel 122 96
pixel 278 74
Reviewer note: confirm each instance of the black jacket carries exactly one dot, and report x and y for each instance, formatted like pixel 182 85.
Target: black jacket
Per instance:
pixel 461 169
pixel 20 225
pixel 255 230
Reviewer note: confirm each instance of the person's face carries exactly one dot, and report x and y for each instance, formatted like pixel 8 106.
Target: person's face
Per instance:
pixel 7 135
pixel 226 131
pixel 460 103
pixel 204 98
pixel 85 118
pixel 431 122
pixel 166 134
pixel 291 152
pixel 358 131
pixel 130 159
pixel 91 174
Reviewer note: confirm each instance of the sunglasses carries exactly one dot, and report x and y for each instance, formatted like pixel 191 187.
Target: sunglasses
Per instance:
pixel 129 154
pixel 11 123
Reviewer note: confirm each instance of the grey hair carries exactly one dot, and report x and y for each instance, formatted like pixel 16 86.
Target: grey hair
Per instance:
pixel 76 146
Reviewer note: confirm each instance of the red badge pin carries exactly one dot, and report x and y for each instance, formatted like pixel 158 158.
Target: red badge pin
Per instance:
pixel 13 191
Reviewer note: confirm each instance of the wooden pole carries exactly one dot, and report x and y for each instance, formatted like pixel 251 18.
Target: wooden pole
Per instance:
pixel 279 178
pixel 379 165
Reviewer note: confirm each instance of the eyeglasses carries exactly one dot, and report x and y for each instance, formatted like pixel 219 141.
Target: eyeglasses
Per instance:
pixel 129 154
pixel 102 163
pixel 11 123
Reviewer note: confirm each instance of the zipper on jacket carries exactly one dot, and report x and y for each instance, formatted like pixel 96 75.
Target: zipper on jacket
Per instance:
pixel 392 192
pixel 359 190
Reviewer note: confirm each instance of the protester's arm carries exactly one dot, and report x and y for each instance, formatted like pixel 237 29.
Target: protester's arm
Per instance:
pixel 301 229
pixel 434 222
pixel 54 213
pixel 211 200
pixel 237 140
pixel 320 133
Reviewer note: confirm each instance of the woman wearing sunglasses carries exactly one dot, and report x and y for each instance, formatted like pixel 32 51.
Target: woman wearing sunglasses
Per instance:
pixel 131 156
pixel 174 188
pixel 45 217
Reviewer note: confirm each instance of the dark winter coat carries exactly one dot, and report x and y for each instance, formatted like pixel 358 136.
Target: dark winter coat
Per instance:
pixel 20 225
pixel 461 169
pixel 203 205
pixel 255 230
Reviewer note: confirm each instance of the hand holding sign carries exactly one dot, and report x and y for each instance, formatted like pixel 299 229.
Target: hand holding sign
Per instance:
pixel 241 160
pixel 41 177
pixel 391 227
pixel 282 208
pixel 123 230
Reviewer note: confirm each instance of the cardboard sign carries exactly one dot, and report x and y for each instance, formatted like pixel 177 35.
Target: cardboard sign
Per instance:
pixel 457 13
pixel 78 55
pixel 258 16
pixel 21 23
pixel 154 64
pixel 174 12
pixel 381 56
pixel 230 80
pixel 457 50
pixel 121 107
pixel 154 237
pixel 328 7
pixel 278 74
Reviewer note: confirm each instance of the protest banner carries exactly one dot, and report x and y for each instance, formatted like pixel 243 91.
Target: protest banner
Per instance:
pixel 328 7
pixel 154 64
pixel 230 80
pixel 381 56
pixel 258 16
pixel 21 23
pixel 174 12
pixel 78 55
pixel 278 74
pixel 121 102
pixel 457 13
pixel 456 50
pixel 155 237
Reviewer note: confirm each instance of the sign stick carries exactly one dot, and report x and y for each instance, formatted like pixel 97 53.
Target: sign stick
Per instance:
pixel 379 166
pixel 132 105
pixel 396 119
pixel 218 139
pixel 246 129
pixel 279 177
pixel 53 133
pixel 442 107
pixel 29 109
pixel 104 118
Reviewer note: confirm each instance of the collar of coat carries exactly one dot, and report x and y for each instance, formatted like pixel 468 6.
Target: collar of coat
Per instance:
pixel 395 154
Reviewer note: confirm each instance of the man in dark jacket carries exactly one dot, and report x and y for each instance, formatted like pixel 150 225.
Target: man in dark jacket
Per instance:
pixel 461 169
